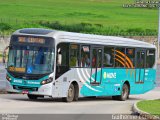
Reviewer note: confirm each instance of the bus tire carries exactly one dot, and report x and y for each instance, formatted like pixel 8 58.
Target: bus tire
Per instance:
pixel 70 94
pixel 76 93
pixel 125 93
pixel 32 97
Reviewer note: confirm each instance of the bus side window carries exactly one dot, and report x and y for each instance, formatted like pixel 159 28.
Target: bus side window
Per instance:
pixel 140 63
pixel 62 64
pixel 63 54
pixel 74 55
pixel 108 57
pixel 150 58
pixel 85 56
pixel 130 53
pixel 120 58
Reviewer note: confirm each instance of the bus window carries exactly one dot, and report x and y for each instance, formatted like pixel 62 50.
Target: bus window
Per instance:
pixel 39 58
pixel 85 56
pixel 32 60
pixel 74 55
pixel 140 59
pixel 130 57
pixel 150 58
pixel 120 57
pixel 62 54
pixel 62 64
pixel 108 60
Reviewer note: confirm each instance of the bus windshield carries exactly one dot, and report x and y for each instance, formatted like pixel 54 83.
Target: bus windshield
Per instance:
pixel 30 59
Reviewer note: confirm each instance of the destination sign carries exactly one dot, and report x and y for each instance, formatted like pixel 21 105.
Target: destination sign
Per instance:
pixel 31 40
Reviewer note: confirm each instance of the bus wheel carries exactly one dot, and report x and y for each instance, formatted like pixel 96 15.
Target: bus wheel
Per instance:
pixel 70 95
pixel 76 93
pixel 32 97
pixel 125 93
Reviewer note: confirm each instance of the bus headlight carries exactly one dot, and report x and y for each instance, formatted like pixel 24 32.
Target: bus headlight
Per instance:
pixel 47 81
pixel 8 78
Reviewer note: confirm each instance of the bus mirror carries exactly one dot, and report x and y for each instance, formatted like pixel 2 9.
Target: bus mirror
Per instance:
pixel 4 58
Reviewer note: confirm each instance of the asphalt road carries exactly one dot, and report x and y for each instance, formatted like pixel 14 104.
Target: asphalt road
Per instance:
pixel 19 104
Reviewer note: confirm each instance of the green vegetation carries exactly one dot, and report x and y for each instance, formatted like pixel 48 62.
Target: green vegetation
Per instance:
pixel 150 106
pixel 88 16
pixel 1 57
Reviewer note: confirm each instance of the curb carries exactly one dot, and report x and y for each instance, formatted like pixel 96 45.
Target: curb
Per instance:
pixel 143 114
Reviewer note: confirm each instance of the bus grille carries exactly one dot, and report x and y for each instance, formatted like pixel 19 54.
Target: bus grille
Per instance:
pixel 25 88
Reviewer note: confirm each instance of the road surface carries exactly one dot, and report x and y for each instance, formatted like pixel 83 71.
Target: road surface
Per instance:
pixel 19 104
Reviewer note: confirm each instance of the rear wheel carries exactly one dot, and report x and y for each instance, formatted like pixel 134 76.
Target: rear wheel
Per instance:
pixel 71 94
pixel 125 93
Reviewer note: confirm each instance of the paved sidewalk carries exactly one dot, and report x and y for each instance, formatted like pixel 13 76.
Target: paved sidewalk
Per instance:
pixel 2 77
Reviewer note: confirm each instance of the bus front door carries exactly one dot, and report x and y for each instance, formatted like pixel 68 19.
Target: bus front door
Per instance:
pixel 140 66
pixel 96 65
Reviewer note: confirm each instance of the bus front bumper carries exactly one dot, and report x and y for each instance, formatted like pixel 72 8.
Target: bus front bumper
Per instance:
pixel 45 90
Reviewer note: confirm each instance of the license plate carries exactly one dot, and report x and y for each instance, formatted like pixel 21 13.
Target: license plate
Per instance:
pixel 25 92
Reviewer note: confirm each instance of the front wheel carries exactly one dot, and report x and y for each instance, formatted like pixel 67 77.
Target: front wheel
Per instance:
pixel 70 95
pixel 124 94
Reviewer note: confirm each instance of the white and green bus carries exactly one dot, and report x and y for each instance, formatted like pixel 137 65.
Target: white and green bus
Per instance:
pixel 69 65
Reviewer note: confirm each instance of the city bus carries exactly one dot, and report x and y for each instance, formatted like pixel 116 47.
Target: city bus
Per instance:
pixel 68 65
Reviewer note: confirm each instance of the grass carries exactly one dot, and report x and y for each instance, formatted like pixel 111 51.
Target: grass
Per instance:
pixel 109 14
pixel 150 106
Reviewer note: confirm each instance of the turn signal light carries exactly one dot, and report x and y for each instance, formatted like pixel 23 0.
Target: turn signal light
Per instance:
pixel 47 81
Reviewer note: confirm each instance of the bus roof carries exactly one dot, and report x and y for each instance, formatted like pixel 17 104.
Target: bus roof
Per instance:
pixel 62 36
